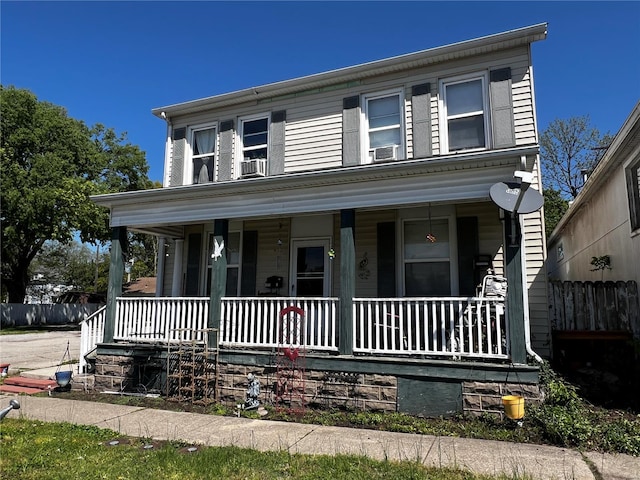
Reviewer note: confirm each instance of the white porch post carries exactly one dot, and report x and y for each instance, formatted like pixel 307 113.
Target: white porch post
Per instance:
pixel 176 284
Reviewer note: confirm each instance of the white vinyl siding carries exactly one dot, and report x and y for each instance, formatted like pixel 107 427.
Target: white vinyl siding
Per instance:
pixel 314 142
pixel 313 130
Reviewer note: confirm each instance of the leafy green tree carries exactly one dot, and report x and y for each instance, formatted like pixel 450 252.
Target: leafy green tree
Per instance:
pixel 554 208
pixel 569 149
pixel 51 164
pixel 70 263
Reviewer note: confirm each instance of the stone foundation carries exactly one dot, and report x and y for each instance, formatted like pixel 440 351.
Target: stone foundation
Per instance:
pixel 425 389
pixel 480 398
pixel 113 373
pixel 124 373
pixel 326 390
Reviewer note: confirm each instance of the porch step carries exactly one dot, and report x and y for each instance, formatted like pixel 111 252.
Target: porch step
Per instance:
pixel 42 384
pixel 19 389
pixel 27 386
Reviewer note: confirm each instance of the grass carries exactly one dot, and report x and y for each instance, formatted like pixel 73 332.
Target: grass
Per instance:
pixel 33 450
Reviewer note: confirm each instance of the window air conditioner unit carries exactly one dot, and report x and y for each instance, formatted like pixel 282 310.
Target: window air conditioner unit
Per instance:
pixel 254 168
pixel 384 153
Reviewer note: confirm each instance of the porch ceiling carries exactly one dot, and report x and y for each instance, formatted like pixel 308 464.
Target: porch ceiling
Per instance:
pixel 455 178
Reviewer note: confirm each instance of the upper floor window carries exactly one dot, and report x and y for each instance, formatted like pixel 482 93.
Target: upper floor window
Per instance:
pixel 384 126
pixel 254 139
pixel 203 146
pixel 464 114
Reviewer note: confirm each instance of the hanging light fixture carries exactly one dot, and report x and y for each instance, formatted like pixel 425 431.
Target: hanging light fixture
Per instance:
pixel 430 236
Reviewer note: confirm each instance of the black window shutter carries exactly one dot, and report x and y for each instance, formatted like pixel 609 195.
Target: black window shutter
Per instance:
pixel 249 263
pixel 386 257
pixel 193 265
pixel 179 133
pixel 468 245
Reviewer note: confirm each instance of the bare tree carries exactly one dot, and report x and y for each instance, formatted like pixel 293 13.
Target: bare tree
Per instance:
pixel 570 149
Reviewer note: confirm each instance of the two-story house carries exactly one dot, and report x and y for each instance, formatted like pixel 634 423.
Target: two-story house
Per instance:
pixel 347 216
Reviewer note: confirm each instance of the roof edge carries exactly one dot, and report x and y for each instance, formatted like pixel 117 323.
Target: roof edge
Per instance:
pixel 524 35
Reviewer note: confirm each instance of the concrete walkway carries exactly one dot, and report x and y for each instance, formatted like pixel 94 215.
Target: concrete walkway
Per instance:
pixel 32 351
pixel 481 456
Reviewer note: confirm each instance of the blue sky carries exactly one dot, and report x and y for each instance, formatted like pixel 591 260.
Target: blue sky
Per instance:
pixel 112 62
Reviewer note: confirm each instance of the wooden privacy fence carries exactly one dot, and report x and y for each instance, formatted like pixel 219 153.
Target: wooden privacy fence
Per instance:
pixel 595 306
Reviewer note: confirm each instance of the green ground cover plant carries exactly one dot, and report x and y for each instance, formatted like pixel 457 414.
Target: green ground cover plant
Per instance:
pixel 32 450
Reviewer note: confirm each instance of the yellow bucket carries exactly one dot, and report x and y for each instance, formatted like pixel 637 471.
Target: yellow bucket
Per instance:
pixel 513 406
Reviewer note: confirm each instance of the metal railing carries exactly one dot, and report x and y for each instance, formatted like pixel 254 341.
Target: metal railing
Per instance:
pixel 450 326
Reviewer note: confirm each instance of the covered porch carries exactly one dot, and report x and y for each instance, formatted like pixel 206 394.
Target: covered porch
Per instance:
pixel 351 250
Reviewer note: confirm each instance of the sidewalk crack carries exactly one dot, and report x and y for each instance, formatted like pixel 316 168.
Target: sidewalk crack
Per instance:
pixel 120 416
pixel 592 466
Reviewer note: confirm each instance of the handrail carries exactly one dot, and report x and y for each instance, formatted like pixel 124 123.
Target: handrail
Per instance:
pixel 91 333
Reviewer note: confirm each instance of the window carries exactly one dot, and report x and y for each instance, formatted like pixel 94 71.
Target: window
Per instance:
pixel 203 148
pixel 633 192
pixel 255 135
pixel 427 270
pixel 464 114
pixel 384 127
pixel 232 251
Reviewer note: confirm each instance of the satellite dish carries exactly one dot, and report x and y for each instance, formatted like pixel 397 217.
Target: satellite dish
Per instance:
pixel 516 197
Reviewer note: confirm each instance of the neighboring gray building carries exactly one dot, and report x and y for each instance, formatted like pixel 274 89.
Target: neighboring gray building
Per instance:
pixel 604 219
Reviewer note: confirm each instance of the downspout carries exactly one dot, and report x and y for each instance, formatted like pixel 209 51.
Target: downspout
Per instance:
pixel 525 300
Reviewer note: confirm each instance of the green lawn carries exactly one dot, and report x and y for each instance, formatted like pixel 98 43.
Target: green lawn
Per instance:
pixel 38 450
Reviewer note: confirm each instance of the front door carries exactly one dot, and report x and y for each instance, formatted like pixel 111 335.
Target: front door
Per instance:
pixel 310 268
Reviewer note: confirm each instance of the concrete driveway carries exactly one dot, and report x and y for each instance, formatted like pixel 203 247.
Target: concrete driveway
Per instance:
pixel 32 351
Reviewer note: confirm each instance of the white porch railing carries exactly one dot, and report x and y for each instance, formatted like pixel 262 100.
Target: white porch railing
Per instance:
pixel 450 326
pixel 91 333
pixel 160 319
pixel 256 322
